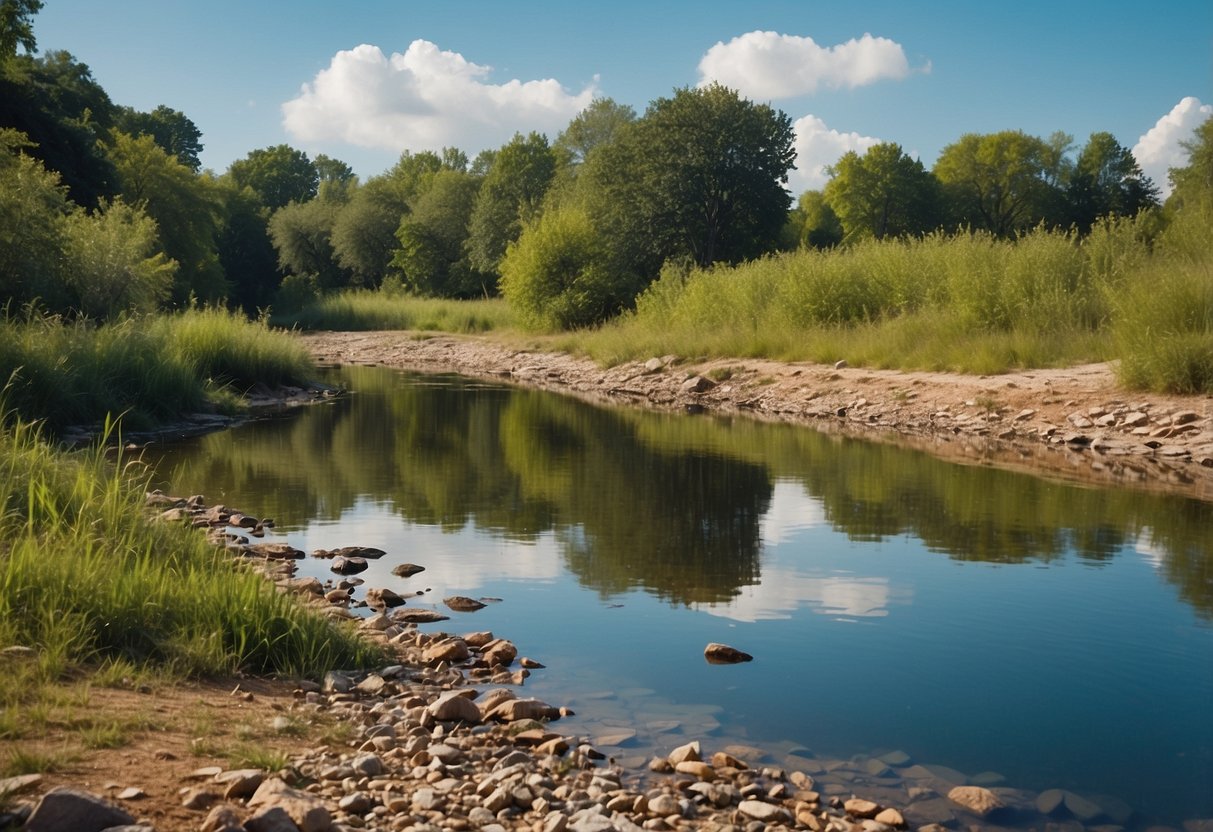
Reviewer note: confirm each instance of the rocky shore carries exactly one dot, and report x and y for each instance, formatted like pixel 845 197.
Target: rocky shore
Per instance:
pixel 1073 423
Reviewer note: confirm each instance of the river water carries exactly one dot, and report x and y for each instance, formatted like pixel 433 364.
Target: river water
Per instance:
pixel 1014 630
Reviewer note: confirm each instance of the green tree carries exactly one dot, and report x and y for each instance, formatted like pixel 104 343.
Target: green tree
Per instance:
pixel 561 273
pixel 1001 182
pixel 883 193
pixel 245 250
pixel 1106 180
pixel 17 26
pixel 55 102
pixel 701 176
pixel 364 235
pixel 187 208
pixel 336 179
pixel 1192 184
pixel 596 125
pixel 812 224
pixel 278 175
pixel 113 263
pixel 171 129
pixel 432 253
pixel 33 204
pixel 511 195
pixel 302 235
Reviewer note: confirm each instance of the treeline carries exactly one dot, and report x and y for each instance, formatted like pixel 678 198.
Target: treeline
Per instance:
pixel 104 209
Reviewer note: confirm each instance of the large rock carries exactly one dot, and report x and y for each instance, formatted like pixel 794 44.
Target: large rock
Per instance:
pixel 406 615
pixel 349 566
pixel 274 551
pixel 65 808
pixel 724 654
pixel 685 753
pixel 455 708
pixel 461 603
pixel 447 650
pixel 514 710
pixel 976 799
pixel 383 598
pixel 307 811
pixel 407 570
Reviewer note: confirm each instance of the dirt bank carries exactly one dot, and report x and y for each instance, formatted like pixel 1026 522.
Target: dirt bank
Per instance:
pixel 1076 423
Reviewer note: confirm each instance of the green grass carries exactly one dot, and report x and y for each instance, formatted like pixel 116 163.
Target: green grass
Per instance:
pixel 373 310
pixel 146 370
pixel 86 580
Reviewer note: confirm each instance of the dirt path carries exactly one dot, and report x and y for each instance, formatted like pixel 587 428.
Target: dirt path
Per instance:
pixel 1075 423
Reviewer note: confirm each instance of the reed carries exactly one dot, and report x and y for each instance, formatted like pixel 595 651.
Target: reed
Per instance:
pixel 362 309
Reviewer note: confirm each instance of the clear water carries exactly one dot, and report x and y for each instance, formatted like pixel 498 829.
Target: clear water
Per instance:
pixel 979 619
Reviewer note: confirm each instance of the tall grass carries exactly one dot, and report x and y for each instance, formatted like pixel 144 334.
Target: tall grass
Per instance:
pixel 86 579
pixel 971 303
pixel 361 309
pixel 151 369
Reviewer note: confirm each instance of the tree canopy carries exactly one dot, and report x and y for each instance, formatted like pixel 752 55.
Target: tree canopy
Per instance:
pixel 883 193
pixel 278 175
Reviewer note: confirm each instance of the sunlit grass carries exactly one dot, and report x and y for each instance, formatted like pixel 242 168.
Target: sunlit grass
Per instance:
pixel 373 310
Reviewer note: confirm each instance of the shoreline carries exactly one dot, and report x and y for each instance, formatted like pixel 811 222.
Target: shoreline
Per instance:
pixel 1074 424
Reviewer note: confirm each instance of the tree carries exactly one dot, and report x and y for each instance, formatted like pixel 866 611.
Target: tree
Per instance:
pixel 701 176
pixel 812 224
pixel 364 235
pixel 883 193
pixel 55 102
pixel 1192 184
pixel 33 204
pixel 113 262
pixel 336 179
pixel 432 255
pixel 245 251
pixel 998 181
pixel 278 175
pixel 1106 181
pixel 187 209
pixel 596 125
pixel 170 129
pixel 302 235
pixel 16 26
pixel 511 195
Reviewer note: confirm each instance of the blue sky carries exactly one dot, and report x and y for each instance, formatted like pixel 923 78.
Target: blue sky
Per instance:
pixel 366 80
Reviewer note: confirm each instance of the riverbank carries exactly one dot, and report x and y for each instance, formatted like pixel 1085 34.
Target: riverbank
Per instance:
pixel 1075 423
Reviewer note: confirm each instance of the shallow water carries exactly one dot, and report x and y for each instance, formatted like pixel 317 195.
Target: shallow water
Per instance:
pixel 982 620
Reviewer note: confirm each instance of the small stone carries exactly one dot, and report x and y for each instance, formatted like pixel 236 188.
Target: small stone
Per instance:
pixel 455 708
pixel 699 770
pixel 717 653
pixel 684 753
pixel 697 384
pixel 132 793
pixel 841 364
pixel 407 570
pixel 349 566
pixel 861 808
pixel 976 799
pixel 764 812
pixel 890 817
pixel 461 603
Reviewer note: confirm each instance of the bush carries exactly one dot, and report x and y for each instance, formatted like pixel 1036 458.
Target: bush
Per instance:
pixel 561 275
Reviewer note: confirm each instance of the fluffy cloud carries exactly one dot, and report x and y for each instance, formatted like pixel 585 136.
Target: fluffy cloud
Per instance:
pixel 768 65
pixel 423 99
pixel 818 147
pixel 1159 149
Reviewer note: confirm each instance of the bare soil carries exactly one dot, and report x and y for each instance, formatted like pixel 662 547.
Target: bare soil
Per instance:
pixel 1076 423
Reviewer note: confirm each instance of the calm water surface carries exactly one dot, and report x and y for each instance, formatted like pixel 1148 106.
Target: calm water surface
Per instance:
pixel 1060 637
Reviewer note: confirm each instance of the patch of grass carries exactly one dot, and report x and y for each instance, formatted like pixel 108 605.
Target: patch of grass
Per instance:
pixel 361 309
pixel 20 761
pixel 252 755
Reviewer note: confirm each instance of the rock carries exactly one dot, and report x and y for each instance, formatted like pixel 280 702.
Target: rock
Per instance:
pixel 1081 808
pixel 383 598
pixel 698 770
pixel 723 759
pixel 349 566
pixel 274 551
pixel 222 818
pixel 335 682
pixel 21 783
pixel 406 615
pixel 616 738
pixel 407 570
pixel 976 799
pixel 367 552
pixel 461 603
pixel 664 805
pixel 198 799
pixel 861 808
pixel 764 812
pixel 447 650
pixel 841 364
pixel 306 810
pixel 723 654
pixel 1183 417
pixel 132 793
pixel 64 808
pixel 653 365
pixel 684 753
pixel 1050 801
pixel 241 783
pixel 367 764
pixel 697 384
pixel 271 819
pixel 514 710
pixel 890 817
pixel 455 707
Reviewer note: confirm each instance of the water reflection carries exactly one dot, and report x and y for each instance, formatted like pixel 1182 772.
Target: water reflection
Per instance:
pixel 970 616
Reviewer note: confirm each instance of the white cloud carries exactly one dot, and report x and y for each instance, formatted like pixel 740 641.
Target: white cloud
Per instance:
pixel 424 99
pixel 1159 149
pixel 768 65
pixel 818 147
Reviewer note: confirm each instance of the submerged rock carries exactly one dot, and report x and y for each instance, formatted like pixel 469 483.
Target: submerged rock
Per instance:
pixel 407 570
pixel 349 566
pixel 723 654
pixel 461 603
